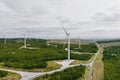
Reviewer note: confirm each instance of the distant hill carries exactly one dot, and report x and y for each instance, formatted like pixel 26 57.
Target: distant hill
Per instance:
pixel 109 41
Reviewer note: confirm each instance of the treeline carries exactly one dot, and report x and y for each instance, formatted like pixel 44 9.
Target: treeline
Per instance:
pixel 111 53
pixel 11 55
pixel 108 41
pixel 74 73
pixel 111 60
pixel 89 48
pixel 3 73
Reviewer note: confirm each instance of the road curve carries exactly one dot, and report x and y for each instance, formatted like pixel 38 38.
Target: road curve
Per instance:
pixel 65 64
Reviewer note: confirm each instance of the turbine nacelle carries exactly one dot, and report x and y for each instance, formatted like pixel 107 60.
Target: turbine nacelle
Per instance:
pixel 68 34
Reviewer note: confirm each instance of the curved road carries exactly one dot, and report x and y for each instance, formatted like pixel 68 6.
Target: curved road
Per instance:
pixel 65 64
pixel 92 62
pixel 32 75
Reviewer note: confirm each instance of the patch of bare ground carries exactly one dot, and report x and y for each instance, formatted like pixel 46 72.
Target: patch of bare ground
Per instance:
pixel 98 67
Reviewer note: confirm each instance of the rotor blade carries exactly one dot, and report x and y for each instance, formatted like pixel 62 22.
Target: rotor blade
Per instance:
pixel 65 41
pixel 65 30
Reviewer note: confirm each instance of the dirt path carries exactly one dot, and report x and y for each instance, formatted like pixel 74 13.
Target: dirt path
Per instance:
pixel 98 67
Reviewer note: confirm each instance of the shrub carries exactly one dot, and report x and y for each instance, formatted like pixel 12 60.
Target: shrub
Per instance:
pixel 3 73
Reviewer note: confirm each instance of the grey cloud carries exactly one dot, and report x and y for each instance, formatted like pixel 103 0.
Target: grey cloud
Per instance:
pixel 28 7
pixel 44 16
pixel 108 18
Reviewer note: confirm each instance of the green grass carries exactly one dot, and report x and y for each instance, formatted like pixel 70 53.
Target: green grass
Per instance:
pixel 88 48
pixel 111 60
pixel 13 56
pixel 4 75
pixel 74 73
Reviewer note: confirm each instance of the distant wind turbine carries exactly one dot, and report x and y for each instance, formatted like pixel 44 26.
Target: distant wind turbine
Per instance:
pixel 25 41
pixel 5 41
pixel 79 43
pixel 48 41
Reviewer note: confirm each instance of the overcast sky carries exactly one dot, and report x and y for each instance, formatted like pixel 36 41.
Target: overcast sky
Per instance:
pixel 41 18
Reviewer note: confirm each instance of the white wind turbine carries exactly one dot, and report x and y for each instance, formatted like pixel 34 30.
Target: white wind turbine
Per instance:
pixel 63 20
pixel 68 36
pixel 48 41
pixel 79 43
pixel 37 38
pixel 5 39
pixel 25 46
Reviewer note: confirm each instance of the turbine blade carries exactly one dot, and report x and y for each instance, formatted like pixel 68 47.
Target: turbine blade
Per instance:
pixel 65 30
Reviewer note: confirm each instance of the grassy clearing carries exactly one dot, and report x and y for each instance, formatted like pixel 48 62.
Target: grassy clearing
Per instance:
pixel 85 77
pixel 11 76
pixel 51 65
pixel 32 59
pixel 74 73
pixel 111 60
pixel 98 67
pixel 81 61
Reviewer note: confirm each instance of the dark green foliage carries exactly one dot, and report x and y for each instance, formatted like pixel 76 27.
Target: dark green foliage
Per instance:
pixel 12 56
pixel 112 63
pixel 3 73
pixel 109 41
pixel 90 48
pixel 81 56
pixel 74 73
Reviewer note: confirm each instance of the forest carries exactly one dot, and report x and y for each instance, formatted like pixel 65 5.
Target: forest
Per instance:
pixel 74 73
pixel 88 48
pixel 3 73
pixel 12 55
pixel 109 41
pixel 111 60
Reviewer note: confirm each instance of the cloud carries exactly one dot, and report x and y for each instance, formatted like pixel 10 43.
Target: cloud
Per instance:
pixel 79 17
pixel 110 16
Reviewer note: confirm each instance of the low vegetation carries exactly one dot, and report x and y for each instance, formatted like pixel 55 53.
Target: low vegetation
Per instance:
pixel 74 73
pixel 36 54
pixel 3 73
pixel 98 67
pixel 90 48
pixel 111 60
pixel 109 41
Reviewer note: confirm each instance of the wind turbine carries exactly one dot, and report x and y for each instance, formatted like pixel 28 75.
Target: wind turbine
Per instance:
pixel 68 36
pixel 25 41
pixel 36 39
pixel 79 43
pixel 5 39
pixel 48 41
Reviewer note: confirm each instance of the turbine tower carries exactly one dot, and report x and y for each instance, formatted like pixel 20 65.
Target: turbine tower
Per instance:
pixel 68 36
pixel 79 43
pixel 5 39
pixel 48 41
pixel 25 41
